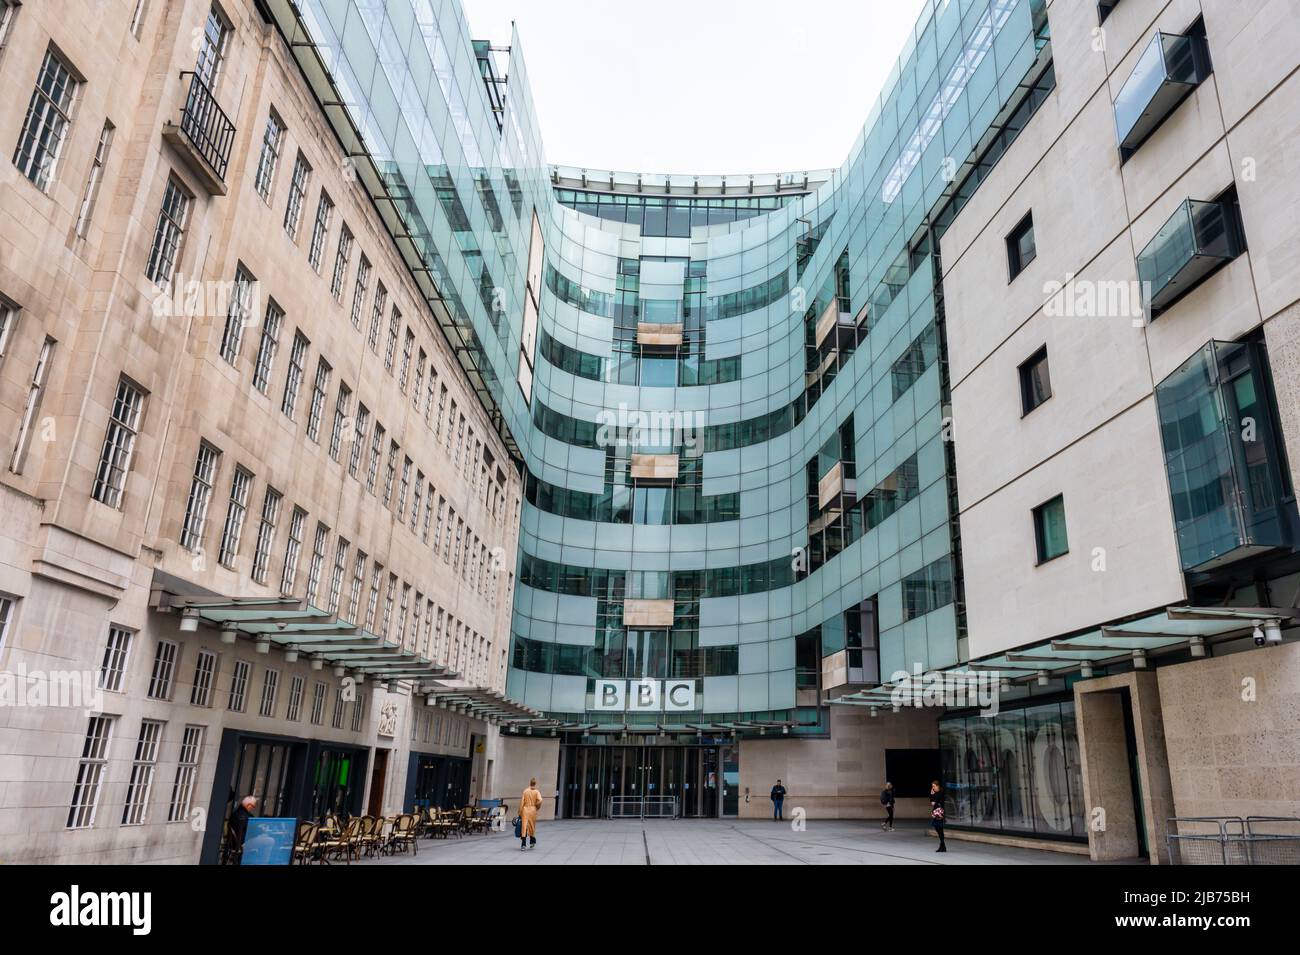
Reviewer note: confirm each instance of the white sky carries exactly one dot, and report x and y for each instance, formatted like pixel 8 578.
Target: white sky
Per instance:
pixel 701 86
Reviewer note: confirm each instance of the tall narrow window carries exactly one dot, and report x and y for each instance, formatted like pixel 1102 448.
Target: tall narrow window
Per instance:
pixel 8 320
pixel 233 529
pixel 272 140
pixel 297 193
pixel 90 772
pixel 168 234
pixel 1035 381
pixel 376 446
pixel 342 408
pixel 94 180
pixel 239 686
pixel 408 346
pixel 266 348
pixel 49 114
pixel 341 257
pixel 1021 249
pixel 402 488
pixel 294 711
pixel 196 506
pixel 1049 529
pixel 293 378
pixel 119 444
pixel 143 765
pixel 316 562
pixel 212 47
pixel 270 686
pixel 359 293
pixel 390 350
pixel 9 10
pixel 187 771
pixel 266 534
pixel 417 392
pixel 164 670
pixel 318 703
pixel 320 229
pixel 358 584
pixel 390 473
pixel 377 315
pixel 293 548
pixel 117 651
pixel 336 575
pixel 417 496
pixel 205 678
pixel 358 439
pixel 32 407
pixel 372 602
pixel 239 314
pixel 319 387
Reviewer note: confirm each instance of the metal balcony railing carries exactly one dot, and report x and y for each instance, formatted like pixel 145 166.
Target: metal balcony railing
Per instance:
pixel 206 126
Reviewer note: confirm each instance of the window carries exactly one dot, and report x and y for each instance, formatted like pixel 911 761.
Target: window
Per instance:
pixel 272 139
pixel 196 507
pixel 387 619
pixel 390 472
pixel 187 770
pixel 119 444
pixel 116 652
pixel 341 257
pixel 212 47
pixel 1035 381
pixel 292 549
pixel 317 561
pixel 419 380
pixel 270 684
pixel 376 316
pixel 32 407
pixel 164 669
pixel 342 407
pixel 417 496
pixel 49 114
pixel 297 192
pixel 168 234
pixel 235 512
pixel 9 10
pixel 372 469
pixel 318 703
pixel 142 771
pixel 359 294
pixel 205 674
pixel 358 583
pixel 237 316
pixel 428 514
pixel 320 229
pixel 266 347
pixel 408 346
pixel 8 321
pixel 390 350
pixel 266 534
pixel 239 686
pixel 90 772
pixel 358 439
pixel 1020 245
pixel 340 708
pixel 372 602
pixel 336 576
pixel 94 180
pixel 293 378
pixel 402 489
pixel 319 387
pixel 358 712
pixel 294 712
pixel 1049 529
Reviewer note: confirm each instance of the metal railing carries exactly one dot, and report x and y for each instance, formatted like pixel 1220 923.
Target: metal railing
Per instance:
pixel 206 126
pixel 642 807
pixel 1232 840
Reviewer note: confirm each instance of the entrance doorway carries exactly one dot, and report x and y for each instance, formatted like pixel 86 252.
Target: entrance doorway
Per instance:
pixel 375 807
pixel 693 775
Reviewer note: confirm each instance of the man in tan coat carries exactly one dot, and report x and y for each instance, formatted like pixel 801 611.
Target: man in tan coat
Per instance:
pixel 529 804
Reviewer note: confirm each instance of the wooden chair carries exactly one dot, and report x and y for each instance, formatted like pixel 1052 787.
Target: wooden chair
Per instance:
pixel 304 846
pixel 346 843
pixel 403 835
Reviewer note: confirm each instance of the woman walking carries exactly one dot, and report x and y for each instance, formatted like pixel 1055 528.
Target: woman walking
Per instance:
pixel 529 803
pixel 936 813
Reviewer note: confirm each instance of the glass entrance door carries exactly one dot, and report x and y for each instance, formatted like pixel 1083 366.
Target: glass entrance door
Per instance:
pixel 595 774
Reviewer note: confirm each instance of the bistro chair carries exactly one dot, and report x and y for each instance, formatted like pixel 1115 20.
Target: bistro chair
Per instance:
pixel 403 835
pixel 304 846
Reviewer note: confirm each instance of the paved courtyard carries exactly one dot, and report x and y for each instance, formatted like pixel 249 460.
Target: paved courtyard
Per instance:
pixel 720 842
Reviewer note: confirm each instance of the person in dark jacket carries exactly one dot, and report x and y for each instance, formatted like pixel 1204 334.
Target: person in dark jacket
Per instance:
pixel 937 813
pixel 778 800
pixel 239 826
pixel 887 800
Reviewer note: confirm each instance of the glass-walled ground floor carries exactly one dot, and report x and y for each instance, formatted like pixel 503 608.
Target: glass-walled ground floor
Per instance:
pixel 437 782
pixel 603 780
pixel 1016 772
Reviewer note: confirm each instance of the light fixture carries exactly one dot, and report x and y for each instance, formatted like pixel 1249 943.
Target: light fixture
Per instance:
pixel 1197 646
pixel 1085 670
pixel 530 731
pixel 897 708
pixel 359 677
pixel 228 633
pixel 785 730
pixel 875 711
pixel 391 686
pixel 1004 685
pixel 189 620
pixel 1042 678
pixel 317 663
pixel 339 670
pixel 430 700
pixel 263 645
pixel 1139 659
pixel 552 730
pixel 291 655
pixel 1273 632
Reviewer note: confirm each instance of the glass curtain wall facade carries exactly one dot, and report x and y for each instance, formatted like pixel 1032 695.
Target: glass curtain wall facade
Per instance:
pixel 732 341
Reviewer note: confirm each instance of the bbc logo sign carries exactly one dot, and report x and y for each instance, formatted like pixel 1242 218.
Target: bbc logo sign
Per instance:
pixel 644 695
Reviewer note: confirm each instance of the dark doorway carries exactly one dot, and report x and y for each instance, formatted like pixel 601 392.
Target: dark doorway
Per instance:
pixel 912 770
pixel 377 776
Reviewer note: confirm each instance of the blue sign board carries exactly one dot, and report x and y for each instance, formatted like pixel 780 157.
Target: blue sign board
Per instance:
pixel 269 841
